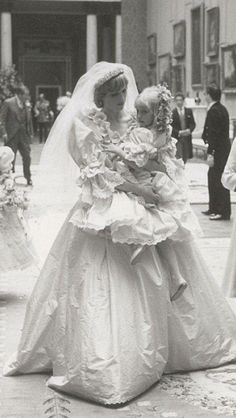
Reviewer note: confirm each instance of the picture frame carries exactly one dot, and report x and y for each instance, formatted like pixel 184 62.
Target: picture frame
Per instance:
pixel 229 68
pixel 178 78
pixel 152 49
pixel 179 41
pixel 164 64
pixel 197 46
pixel 152 76
pixel 213 25
pixel 212 73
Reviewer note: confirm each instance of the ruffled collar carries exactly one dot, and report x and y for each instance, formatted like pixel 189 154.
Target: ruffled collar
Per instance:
pixel 108 136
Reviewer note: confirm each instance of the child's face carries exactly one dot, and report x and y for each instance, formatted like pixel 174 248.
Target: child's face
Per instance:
pixel 144 115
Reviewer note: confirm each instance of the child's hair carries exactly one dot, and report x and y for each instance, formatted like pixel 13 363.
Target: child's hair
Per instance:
pixel 158 99
pixel 113 85
pixel 6 158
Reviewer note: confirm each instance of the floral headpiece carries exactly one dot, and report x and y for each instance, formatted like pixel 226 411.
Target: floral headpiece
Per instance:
pixel 109 76
pixel 163 114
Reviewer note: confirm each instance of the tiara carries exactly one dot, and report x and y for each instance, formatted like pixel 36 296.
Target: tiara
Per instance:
pixel 109 76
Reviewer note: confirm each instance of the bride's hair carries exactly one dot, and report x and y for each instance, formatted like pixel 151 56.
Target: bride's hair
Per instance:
pixel 158 99
pixel 114 85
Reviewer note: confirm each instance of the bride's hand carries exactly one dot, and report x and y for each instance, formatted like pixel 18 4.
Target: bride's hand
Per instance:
pixel 148 194
pixel 145 192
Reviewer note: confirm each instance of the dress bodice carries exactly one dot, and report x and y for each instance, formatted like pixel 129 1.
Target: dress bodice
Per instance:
pixel 98 178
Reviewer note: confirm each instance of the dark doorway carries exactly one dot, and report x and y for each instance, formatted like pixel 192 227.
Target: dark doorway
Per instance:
pixel 49 50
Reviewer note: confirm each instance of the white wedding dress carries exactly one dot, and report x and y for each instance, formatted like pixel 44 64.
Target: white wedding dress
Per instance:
pixel 105 329
pixel 229 182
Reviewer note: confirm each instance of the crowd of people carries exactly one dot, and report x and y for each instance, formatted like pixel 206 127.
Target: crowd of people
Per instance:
pixel 20 121
pixel 124 294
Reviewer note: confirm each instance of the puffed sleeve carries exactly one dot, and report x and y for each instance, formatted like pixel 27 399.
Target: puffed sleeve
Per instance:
pixel 96 179
pixel 229 175
pixel 139 147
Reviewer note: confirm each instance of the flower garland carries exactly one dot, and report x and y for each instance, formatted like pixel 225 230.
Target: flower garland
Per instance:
pixel 10 197
pixel 163 112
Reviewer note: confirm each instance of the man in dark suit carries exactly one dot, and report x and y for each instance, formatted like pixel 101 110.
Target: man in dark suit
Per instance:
pixel 216 135
pixel 183 124
pixel 16 120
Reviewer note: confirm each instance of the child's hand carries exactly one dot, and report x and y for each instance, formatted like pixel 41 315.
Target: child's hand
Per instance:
pixel 149 196
pixel 114 149
pixel 210 160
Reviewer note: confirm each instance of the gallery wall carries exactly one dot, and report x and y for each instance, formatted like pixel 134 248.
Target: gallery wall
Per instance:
pixel 195 45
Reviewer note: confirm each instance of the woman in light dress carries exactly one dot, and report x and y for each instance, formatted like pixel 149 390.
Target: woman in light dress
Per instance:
pixel 229 182
pixel 106 329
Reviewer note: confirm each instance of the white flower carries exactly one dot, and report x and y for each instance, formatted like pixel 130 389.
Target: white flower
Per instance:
pixel 9 184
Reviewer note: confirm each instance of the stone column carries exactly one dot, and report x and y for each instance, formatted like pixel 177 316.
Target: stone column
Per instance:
pixel 118 38
pixel 6 39
pixel 92 48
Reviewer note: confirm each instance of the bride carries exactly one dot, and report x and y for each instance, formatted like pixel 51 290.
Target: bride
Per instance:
pixel 105 328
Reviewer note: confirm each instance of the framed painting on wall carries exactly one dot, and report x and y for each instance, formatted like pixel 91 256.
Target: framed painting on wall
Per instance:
pixel 197 46
pixel 212 73
pixel 152 49
pixel 213 23
pixel 152 76
pixel 164 62
pixel 178 78
pixel 229 68
pixel 179 39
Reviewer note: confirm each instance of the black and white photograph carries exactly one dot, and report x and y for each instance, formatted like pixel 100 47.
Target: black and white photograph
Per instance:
pixel 178 78
pixel 152 49
pixel 212 73
pixel 164 62
pixel 229 67
pixel 197 43
pixel 213 31
pixel 179 39
pixel 117 209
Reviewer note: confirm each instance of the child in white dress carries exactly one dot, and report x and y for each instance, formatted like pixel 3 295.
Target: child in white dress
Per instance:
pixel 16 251
pixel 144 146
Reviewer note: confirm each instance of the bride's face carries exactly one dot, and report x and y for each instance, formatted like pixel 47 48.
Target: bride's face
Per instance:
pixel 115 101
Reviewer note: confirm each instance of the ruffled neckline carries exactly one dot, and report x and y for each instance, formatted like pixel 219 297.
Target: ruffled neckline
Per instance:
pixel 108 135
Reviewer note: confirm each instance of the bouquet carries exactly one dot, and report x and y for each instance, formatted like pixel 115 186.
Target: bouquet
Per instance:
pixel 163 116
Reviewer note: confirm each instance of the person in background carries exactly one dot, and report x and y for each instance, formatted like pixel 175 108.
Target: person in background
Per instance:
pixel 62 101
pixel 42 114
pixel 16 122
pixel 216 135
pixel 183 124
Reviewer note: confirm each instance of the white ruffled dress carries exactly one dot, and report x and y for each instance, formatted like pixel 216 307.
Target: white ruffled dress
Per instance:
pixel 103 209
pixel 171 187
